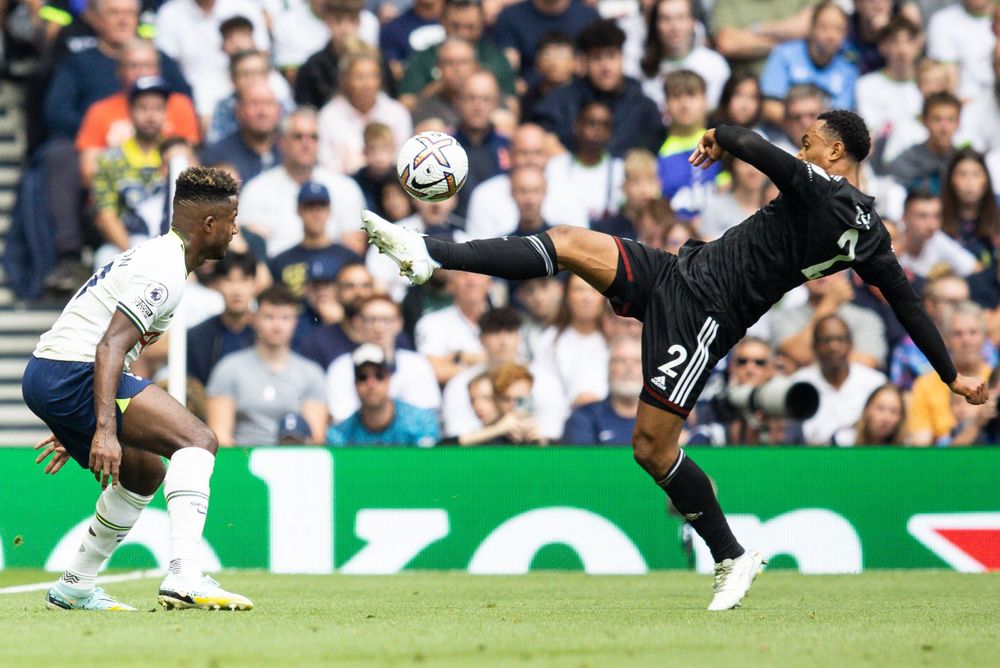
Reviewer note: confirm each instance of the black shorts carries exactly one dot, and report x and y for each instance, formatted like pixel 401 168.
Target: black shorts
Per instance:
pixel 681 340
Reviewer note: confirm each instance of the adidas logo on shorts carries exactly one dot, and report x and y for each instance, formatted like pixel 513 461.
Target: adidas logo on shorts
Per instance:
pixel 660 382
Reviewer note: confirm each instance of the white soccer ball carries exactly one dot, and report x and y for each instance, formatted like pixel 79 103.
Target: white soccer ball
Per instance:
pixel 432 166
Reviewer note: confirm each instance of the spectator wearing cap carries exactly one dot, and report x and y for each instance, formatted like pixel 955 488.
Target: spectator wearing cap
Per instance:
pixel 107 123
pixel 611 420
pixel 425 71
pixel 293 430
pixel 817 59
pixel 188 31
pixel 522 25
pixel 253 147
pixel 129 174
pixel 319 305
pixel 381 420
pixel 250 391
pixel 268 202
pixel 294 266
pixel 342 331
pixel 380 322
pixel 234 276
pixel 413 30
pixel 361 101
pixel 318 79
pixel 637 121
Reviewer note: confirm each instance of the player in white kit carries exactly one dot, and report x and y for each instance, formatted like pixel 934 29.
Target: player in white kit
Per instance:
pixel 119 425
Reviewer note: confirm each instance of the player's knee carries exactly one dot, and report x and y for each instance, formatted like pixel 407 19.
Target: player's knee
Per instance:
pixel 652 452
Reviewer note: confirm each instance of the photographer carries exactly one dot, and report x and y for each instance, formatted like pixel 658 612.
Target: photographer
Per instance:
pixel 719 422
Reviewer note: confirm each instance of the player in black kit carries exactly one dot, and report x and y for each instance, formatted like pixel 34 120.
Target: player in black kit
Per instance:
pixel 697 305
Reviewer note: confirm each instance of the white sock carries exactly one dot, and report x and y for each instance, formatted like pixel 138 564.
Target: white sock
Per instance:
pixel 186 490
pixel 117 511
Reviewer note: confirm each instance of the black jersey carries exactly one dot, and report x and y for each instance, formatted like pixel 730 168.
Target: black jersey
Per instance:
pixel 820 224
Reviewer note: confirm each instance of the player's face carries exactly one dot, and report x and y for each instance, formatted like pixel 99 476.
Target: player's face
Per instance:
pixel 817 147
pixel 675 25
pixel 224 229
pixel 275 324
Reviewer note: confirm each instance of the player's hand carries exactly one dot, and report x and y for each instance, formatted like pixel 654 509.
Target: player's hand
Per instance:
pixel 53 447
pixel 707 152
pixel 105 458
pixel 973 389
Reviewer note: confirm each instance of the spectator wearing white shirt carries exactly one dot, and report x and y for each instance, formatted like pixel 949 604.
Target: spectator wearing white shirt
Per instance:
pixel 360 101
pixel 492 211
pixel 962 35
pixel 980 121
pixel 925 245
pixel 502 343
pixel 188 32
pixel 589 170
pixel 412 379
pixel 449 337
pixel 843 386
pixel 576 346
pixel 671 45
pixel 268 202
pixel 891 93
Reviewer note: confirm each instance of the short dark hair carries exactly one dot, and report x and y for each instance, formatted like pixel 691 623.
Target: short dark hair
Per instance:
pixel 603 34
pixel 240 56
pixel 234 23
pixel 245 262
pixel 555 38
pixel 683 82
pixel 849 128
pixel 940 99
pixel 205 185
pixel 278 295
pixel 898 24
pixel 918 195
pixel 505 319
pixel 833 317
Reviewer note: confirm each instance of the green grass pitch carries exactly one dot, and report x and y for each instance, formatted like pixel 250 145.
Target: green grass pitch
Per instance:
pixel 885 619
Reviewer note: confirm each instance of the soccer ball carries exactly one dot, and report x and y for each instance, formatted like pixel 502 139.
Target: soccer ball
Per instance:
pixel 432 166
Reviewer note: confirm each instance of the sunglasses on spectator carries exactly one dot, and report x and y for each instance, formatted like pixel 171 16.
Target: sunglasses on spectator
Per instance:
pixel 365 376
pixel 297 136
pixel 743 361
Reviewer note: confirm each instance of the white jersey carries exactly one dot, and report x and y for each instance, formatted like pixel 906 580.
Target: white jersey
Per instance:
pixel 144 283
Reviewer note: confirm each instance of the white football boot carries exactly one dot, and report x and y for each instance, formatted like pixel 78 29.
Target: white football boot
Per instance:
pixel 733 578
pixel 202 592
pixel 404 247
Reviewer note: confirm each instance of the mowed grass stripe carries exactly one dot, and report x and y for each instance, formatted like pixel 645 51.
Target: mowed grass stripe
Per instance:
pixel 919 618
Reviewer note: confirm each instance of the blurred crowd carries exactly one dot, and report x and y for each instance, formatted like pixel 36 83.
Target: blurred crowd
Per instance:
pixel 573 112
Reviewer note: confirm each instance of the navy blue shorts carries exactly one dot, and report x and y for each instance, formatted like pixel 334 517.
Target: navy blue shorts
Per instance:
pixel 62 395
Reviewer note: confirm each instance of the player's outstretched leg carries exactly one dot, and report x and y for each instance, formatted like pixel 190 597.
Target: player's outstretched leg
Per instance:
pixel 656 449
pixel 156 422
pixel 590 255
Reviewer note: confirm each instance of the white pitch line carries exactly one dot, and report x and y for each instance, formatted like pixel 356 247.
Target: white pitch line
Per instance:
pixel 122 577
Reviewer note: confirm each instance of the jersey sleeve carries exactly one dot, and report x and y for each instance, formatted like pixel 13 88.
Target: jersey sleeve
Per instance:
pixel 153 292
pixel 883 271
pixel 802 180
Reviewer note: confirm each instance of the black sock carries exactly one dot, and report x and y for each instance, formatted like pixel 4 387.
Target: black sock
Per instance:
pixel 515 258
pixel 691 491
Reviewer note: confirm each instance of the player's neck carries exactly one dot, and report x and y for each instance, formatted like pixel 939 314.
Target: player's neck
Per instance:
pixel 848 172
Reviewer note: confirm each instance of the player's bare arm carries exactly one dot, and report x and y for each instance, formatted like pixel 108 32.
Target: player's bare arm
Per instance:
pixel 109 361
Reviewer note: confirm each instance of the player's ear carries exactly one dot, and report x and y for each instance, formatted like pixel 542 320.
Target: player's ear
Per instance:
pixel 836 151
